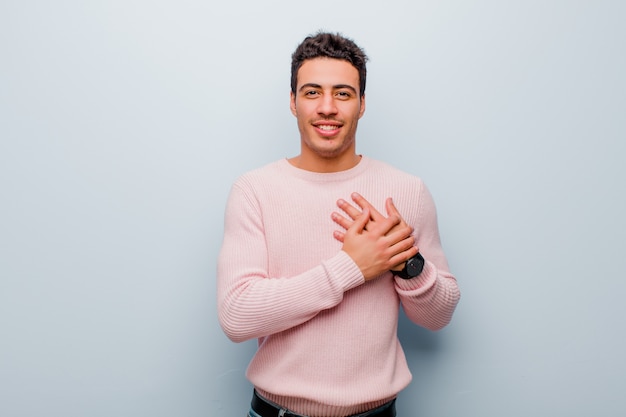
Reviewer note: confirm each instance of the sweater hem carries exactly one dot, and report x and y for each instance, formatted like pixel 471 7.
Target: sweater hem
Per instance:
pixel 314 408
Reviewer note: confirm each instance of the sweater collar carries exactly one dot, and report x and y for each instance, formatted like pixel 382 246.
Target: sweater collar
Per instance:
pixel 326 176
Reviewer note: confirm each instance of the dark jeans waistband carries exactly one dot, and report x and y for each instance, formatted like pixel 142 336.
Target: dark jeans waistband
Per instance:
pixel 265 408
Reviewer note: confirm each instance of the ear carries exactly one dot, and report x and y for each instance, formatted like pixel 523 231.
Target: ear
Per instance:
pixel 292 103
pixel 362 110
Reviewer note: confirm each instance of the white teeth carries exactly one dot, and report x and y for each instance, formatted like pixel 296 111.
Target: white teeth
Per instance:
pixel 327 127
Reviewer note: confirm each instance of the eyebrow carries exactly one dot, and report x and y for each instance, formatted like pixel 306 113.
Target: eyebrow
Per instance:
pixel 335 87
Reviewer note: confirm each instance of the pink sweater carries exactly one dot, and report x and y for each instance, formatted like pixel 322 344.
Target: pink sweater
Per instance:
pixel 327 343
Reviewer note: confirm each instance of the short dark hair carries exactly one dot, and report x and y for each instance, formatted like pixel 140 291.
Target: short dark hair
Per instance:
pixel 328 45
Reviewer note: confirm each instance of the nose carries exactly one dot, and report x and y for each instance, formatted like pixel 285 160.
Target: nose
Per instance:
pixel 326 105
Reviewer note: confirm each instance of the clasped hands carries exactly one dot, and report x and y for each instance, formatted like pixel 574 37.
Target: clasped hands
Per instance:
pixel 374 242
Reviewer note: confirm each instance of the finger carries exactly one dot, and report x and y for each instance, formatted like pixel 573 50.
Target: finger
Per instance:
pixel 389 224
pixel 403 256
pixel 403 245
pixel 363 203
pixel 350 210
pixel 341 220
pixel 391 208
pixel 402 231
pixel 359 223
pixel 340 236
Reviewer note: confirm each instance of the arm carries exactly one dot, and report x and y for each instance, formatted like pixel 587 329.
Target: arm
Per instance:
pixel 252 303
pixel 429 299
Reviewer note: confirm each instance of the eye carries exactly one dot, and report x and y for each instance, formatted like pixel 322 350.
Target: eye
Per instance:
pixel 344 94
pixel 311 93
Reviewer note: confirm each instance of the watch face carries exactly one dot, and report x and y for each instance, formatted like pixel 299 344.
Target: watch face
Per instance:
pixel 414 266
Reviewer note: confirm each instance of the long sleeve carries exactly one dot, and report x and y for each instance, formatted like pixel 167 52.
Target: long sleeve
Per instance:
pixel 430 299
pixel 253 304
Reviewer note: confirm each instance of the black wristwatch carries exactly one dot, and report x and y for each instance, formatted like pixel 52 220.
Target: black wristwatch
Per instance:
pixel 412 268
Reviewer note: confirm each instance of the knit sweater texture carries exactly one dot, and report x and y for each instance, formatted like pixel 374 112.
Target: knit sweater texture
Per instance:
pixel 327 340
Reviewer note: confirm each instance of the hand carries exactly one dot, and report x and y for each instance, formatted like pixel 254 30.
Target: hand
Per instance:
pixel 376 243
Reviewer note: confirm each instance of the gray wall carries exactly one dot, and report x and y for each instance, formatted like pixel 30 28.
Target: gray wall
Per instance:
pixel 123 124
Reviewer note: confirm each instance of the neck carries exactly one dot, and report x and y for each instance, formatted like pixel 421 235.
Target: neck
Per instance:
pixel 325 165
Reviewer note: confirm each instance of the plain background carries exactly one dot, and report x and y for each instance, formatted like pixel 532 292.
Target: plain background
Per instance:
pixel 124 123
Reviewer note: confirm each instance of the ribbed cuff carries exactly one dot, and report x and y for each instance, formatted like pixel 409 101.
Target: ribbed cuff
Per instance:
pixel 421 283
pixel 343 271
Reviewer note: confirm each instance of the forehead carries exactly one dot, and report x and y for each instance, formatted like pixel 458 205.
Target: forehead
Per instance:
pixel 328 72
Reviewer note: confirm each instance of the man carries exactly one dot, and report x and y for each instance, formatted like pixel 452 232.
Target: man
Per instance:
pixel 319 280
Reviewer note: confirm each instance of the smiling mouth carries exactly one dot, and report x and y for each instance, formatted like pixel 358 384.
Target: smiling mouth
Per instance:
pixel 328 128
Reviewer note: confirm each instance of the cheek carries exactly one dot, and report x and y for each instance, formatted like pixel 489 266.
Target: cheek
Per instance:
pixel 302 112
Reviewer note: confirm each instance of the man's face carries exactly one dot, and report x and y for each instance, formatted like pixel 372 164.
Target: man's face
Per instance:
pixel 328 107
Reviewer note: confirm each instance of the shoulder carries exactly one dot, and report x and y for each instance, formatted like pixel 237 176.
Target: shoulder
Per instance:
pixel 250 187
pixel 263 174
pixel 388 172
